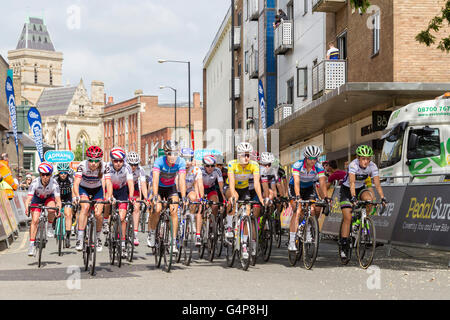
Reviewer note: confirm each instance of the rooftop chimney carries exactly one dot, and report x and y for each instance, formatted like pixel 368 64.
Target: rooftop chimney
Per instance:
pixel 110 100
pixel 138 92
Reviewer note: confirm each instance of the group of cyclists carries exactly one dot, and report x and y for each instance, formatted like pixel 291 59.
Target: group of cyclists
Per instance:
pixel 176 177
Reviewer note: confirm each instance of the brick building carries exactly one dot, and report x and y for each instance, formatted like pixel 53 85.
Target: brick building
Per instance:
pixel 134 123
pixel 381 68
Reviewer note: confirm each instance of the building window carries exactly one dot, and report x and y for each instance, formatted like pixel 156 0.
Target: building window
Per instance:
pixel 290 10
pixel 81 111
pixel 51 76
pixel 246 61
pixel 239 19
pixel 290 91
pixel 376 32
pixel 28 161
pixel 342 45
pixel 35 74
pixel 302 82
pixel 305 7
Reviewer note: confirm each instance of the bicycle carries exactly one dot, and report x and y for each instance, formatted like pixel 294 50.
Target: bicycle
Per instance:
pixel 362 234
pixel 220 230
pixel 90 236
pixel 241 223
pixel 185 236
pixel 276 214
pixel 41 232
pixel 60 228
pixel 307 234
pixel 208 231
pixel 265 233
pixel 164 237
pixel 143 215
pixel 114 237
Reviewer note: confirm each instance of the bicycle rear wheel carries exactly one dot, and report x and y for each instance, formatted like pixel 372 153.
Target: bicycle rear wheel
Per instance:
pixel 130 239
pixel 266 237
pixel 168 244
pixel 211 238
pixel 41 233
pixel 159 245
pixel 276 226
pixel 142 218
pixel 59 234
pixel 86 246
pixel 111 241
pixel 230 251
pixel 189 242
pixel 310 242
pixel 203 235
pixel 245 227
pixel 180 238
pixel 366 243
pixel 118 240
pixel 294 256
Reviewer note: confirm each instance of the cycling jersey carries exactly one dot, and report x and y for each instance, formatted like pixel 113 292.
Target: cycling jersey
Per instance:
pixel 167 173
pixel 269 174
pixel 361 174
pixel 242 175
pixel 119 178
pixel 210 179
pixel 193 174
pixel 307 178
pixel 36 189
pixel 139 176
pixel 65 187
pixel 90 179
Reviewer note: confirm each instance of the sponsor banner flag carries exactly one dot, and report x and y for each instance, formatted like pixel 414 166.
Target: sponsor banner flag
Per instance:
pixel 10 99
pixel 34 119
pixel 262 107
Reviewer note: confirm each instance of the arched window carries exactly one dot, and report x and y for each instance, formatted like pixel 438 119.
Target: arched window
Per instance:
pixel 35 74
pixel 51 75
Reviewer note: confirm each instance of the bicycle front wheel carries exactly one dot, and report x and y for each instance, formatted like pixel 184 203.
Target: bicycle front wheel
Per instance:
pixel 130 239
pixel 118 240
pixel 219 236
pixel 310 242
pixel 266 238
pixel 42 235
pixel 245 227
pixel 168 244
pixel 254 243
pixel 212 238
pixel 59 234
pixel 188 245
pixel 111 241
pixel 159 246
pixel 93 244
pixel 366 243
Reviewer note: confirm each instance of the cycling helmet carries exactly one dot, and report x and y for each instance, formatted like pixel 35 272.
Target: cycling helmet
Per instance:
pixel 364 151
pixel 170 145
pixel 187 152
pixel 117 153
pixel 63 167
pixel 267 157
pixel 244 147
pixel 94 152
pixel 133 158
pixel 209 160
pixel 219 159
pixel 312 152
pixel 45 167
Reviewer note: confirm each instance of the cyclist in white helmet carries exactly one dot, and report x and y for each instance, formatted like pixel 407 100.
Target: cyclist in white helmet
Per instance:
pixel 302 185
pixel 140 188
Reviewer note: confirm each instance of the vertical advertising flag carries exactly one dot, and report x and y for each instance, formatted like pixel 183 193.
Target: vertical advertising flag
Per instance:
pixel 34 119
pixel 10 99
pixel 262 108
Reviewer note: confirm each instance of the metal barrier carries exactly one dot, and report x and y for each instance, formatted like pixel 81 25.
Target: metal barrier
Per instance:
pixel 8 224
pixel 388 179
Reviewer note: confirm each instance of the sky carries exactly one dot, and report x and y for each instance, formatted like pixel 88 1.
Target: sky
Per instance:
pixel 119 42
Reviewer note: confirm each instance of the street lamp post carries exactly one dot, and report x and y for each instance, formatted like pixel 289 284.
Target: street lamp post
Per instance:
pixel 175 91
pixel 189 89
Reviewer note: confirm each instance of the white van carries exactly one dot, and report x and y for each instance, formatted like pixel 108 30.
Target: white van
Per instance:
pixel 417 141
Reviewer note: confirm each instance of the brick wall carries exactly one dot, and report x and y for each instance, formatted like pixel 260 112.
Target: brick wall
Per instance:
pixel 415 62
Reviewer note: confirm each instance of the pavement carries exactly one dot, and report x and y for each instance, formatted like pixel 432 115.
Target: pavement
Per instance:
pixel 408 273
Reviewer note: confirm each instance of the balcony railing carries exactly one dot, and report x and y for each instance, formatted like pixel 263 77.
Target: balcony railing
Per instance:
pixel 328 75
pixel 253 10
pixel 283 40
pixel 283 111
pixel 253 65
pixel 328 5
pixel 237 39
pixel 237 88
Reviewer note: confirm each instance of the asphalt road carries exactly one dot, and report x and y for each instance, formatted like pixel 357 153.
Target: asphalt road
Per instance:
pixel 407 274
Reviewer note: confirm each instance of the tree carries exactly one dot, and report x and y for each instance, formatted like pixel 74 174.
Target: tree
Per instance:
pixel 78 152
pixel 435 25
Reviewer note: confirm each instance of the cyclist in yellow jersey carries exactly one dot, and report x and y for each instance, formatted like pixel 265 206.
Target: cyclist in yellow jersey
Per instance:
pixel 239 173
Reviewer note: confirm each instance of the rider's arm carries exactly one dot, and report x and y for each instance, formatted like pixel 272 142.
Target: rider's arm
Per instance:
pixel 76 187
pixel 297 185
pixel 258 187
pixel 182 182
pixel 323 190
pixel 265 189
pixel 376 181
pixel 232 182
pixel 352 179
pixel 109 188
pixel 130 183
pixel 199 186
pixel 144 190
pixel 58 203
pixel 155 182
pixel 28 202
pixel 221 189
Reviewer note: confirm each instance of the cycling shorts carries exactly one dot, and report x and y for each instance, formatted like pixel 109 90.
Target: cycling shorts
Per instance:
pixel 95 193
pixel 346 196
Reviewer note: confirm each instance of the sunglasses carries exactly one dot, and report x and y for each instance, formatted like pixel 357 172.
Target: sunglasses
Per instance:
pixel 117 161
pixel 246 155
pixel 94 161
pixel 172 154
pixel 312 158
pixel 63 172
pixel 46 174
pixel 267 165
pixel 209 166
pixel 134 165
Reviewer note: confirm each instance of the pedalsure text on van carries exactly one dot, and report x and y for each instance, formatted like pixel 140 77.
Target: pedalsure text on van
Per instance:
pixel 417 142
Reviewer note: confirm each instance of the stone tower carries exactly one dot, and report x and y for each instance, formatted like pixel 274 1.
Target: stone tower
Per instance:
pixel 35 62
pixel 98 96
